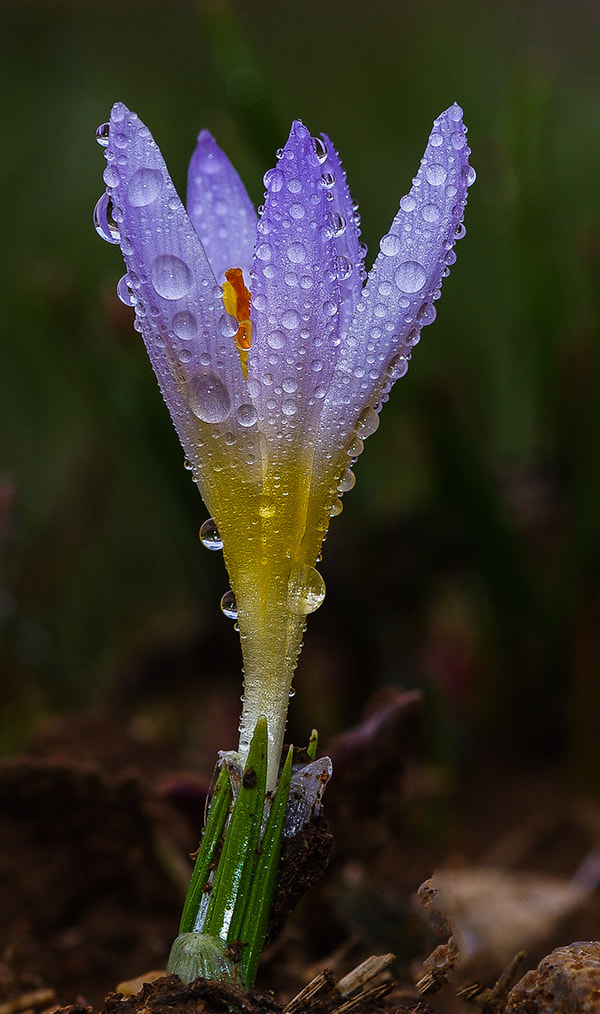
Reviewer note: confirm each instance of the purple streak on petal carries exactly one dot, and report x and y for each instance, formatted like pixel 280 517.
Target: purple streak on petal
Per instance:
pixel 295 293
pixel 344 219
pixel 397 300
pixel 178 305
pixel 220 209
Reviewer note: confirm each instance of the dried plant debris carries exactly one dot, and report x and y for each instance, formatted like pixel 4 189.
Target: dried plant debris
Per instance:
pixel 567 981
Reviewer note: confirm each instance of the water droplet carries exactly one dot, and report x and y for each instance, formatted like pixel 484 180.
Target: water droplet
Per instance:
pixel 328 180
pixel 355 448
pixel 436 140
pixel 208 398
pixel 292 693
pixel 390 245
pixel 124 292
pixel 289 406
pixel 455 113
pixel 274 180
pixel 336 508
pixel 297 211
pixel 263 252
pixel 296 253
pixel 306 589
pixel 338 224
pixel 185 325
pixel 469 175
pixel 104 223
pixel 431 213
pixel 111 176
pixel 410 276
pixel 436 174
pixel 276 339
pixel 320 149
pixel 408 203
pixel 458 140
pixel 229 606
pixel 347 481
pixel 290 319
pixel 368 423
pixel 102 134
pixel 170 276
pixel 460 231
pixel 209 535
pixel 144 187
pixel 343 267
pixel 246 415
pixel 426 314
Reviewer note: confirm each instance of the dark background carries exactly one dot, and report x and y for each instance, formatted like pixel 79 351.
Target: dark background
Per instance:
pixel 467 558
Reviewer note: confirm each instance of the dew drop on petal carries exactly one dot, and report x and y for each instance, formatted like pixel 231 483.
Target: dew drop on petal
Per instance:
pixel 104 223
pixel 276 339
pixel 319 148
pixel 290 319
pixel 469 175
pixel 124 292
pixel 431 213
pixel 408 203
pixel 336 508
pixel 435 174
pixel 390 245
pixel 246 415
pixel 144 187
pixel 343 267
pixel 296 253
pixel 208 398
pixel 306 589
pixel 229 606
pixel 170 276
pixel 369 423
pixel 111 176
pixel 410 276
pixel 185 325
pixel 274 180
pixel 347 481
pixel 209 535
pixel 102 134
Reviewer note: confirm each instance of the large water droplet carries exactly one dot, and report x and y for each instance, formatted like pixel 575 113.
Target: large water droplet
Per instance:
pixel 390 245
pixel 144 187
pixel 170 276
pixel 320 149
pixel 185 325
pixel 209 535
pixel 104 223
pixel 306 589
pixel 229 606
pixel 347 481
pixel 246 415
pixel 336 508
pixel 435 174
pixel 369 423
pixel 102 134
pixel 208 398
pixel 124 292
pixel 410 276
pixel 274 180
pixel 296 253
pixel 343 267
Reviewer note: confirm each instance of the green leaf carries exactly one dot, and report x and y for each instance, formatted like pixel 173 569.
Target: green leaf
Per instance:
pixel 215 822
pixel 264 882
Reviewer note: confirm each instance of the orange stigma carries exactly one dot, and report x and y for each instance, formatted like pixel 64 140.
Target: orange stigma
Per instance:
pixel 236 299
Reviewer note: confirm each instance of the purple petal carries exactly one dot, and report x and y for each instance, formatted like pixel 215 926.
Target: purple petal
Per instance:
pixel 397 300
pixel 179 307
pixel 295 292
pixel 344 219
pixel 220 209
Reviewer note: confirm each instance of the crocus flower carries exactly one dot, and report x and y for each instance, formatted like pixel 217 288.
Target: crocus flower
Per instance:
pixel 274 351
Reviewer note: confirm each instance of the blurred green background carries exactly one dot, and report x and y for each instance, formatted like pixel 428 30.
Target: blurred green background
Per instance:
pixel 467 558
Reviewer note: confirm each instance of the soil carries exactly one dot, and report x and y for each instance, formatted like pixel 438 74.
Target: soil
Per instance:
pixel 97 827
